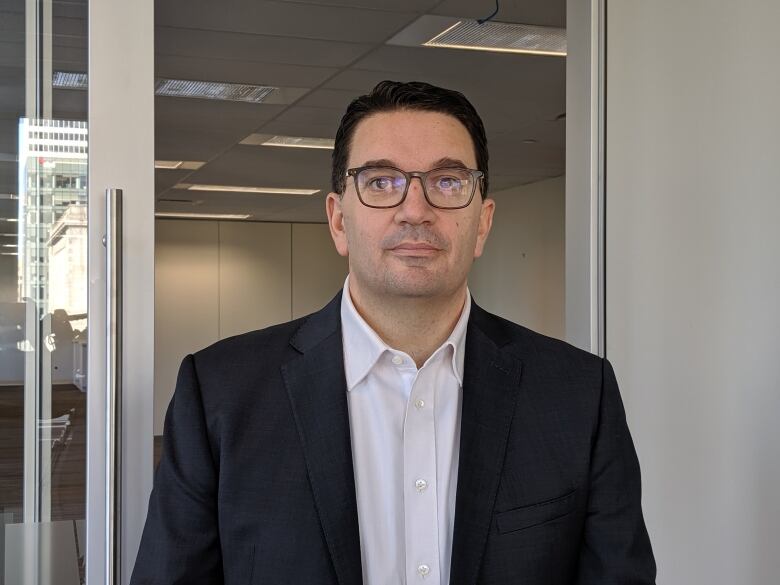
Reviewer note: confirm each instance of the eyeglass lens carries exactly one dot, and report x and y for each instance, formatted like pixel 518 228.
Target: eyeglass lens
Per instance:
pixel 382 186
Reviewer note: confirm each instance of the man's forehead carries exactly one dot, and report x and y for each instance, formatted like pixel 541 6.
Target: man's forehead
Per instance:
pixel 431 139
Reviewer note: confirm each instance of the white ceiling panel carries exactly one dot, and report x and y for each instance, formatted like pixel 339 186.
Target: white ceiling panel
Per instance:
pixel 192 129
pixel 362 81
pixel 388 5
pixel 265 207
pixel 214 44
pixel 266 166
pixel 287 19
pixel 185 112
pixel 9 135
pixel 164 179
pixel 238 71
pixel 69 104
pixel 542 13
pixel 304 121
pixel 481 71
pixel 9 177
pixel 337 99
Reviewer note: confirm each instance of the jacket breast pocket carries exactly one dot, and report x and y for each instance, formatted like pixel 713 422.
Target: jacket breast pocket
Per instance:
pixel 535 514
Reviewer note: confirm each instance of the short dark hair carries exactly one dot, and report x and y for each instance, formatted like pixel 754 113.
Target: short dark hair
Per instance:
pixel 389 96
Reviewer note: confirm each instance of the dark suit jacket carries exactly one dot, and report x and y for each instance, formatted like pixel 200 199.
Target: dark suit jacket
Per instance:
pixel 256 483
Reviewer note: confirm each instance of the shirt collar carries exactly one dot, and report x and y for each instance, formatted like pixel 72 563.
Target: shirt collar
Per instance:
pixel 363 346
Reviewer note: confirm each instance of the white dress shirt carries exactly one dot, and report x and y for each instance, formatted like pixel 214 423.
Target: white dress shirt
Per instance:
pixel 405 429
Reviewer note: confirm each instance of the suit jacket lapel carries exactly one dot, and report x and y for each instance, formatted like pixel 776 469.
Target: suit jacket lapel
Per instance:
pixel 490 387
pixel 317 389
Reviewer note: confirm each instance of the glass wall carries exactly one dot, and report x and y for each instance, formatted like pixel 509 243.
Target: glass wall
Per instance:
pixel 43 290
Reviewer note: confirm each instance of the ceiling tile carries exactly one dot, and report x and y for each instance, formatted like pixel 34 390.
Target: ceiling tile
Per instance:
pixel 193 129
pixel 266 166
pixel 305 121
pixel 287 19
pixel 237 71
pixel 214 44
pixel 337 99
pixel 388 5
pixel 547 13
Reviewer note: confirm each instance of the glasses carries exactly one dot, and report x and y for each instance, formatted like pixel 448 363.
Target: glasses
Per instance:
pixel 444 188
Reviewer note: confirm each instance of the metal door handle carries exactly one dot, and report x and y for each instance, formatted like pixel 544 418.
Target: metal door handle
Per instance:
pixel 113 243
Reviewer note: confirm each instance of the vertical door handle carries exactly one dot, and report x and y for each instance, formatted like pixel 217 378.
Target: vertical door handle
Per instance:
pixel 113 243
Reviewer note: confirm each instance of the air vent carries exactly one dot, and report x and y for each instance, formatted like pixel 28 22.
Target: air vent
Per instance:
pixel 69 80
pixel 212 90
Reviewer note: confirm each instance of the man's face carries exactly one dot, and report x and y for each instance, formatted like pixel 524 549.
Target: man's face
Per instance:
pixel 413 250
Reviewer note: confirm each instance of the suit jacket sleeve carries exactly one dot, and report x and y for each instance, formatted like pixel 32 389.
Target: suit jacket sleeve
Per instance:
pixel 616 548
pixel 180 542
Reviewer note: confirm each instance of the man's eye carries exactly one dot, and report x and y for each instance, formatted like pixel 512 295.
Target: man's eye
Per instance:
pixel 448 183
pixel 380 183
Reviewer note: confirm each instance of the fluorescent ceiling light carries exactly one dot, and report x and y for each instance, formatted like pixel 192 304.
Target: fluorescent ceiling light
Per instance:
pixel 9 219
pixel 69 80
pixel 431 30
pixel 212 90
pixel 504 37
pixel 9 235
pixel 189 165
pixel 244 189
pixel 202 215
pixel 9 253
pixel 10 245
pixel 288 141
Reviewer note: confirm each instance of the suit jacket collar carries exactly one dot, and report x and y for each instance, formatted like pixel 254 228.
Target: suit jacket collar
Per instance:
pixel 316 386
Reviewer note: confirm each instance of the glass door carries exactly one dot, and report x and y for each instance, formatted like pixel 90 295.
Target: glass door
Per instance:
pixel 54 391
pixel 43 292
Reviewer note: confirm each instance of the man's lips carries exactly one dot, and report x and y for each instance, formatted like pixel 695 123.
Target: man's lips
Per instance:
pixel 414 249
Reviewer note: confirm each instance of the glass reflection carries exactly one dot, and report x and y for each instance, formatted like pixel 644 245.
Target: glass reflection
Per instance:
pixel 43 293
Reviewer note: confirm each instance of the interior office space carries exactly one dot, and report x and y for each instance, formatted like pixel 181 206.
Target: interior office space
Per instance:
pixel 629 222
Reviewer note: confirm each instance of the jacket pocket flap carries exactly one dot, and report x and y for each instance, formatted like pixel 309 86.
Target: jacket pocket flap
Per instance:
pixel 534 514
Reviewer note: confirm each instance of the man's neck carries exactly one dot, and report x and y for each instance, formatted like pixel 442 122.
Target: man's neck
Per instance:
pixel 414 325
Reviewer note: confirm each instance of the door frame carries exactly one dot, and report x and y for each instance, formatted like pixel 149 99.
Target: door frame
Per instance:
pixel 585 174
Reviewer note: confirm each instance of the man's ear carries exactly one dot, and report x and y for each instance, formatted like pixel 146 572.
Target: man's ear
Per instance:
pixel 333 208
pixel 485 223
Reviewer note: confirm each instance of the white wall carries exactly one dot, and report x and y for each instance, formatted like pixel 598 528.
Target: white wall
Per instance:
pixel 521 274
pixel 693 269
pixel 216 279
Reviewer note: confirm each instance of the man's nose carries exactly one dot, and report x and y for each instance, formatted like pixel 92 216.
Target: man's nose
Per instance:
pixel 415 208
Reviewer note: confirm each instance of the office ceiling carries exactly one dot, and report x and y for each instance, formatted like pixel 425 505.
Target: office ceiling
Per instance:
pixel 328 52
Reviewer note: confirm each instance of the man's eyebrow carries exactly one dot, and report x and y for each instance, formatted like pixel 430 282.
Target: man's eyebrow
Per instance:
pixel 380 162
pixel 449 162
pixel 442 162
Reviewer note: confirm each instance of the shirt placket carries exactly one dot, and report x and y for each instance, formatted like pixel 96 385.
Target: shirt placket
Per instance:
pixel 420 488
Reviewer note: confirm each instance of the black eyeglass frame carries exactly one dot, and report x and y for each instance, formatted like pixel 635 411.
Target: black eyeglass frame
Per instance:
pixel 477 175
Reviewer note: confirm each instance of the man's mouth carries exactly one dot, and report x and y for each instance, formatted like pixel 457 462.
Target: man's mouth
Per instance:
pixel 414 249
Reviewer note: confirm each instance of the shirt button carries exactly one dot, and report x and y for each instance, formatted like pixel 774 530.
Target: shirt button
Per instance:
pixel 418 404
pixel 421 484
pixel 423 570
pixel 398 360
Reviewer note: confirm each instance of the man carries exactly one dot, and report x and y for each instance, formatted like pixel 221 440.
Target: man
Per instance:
pixel 401 434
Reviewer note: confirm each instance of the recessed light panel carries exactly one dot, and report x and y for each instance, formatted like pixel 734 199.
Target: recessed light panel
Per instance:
pixel 245 189
pixel 502 37
pixel 300 142
pixel 212 90
pixel 258 139
pixel 184 215
pixel 189 165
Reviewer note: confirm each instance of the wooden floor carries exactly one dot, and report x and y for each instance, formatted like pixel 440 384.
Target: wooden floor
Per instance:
pixel 68 492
